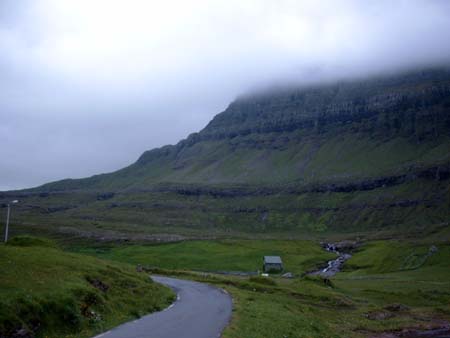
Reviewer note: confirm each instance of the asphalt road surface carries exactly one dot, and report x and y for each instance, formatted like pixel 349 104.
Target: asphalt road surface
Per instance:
pixel 200 311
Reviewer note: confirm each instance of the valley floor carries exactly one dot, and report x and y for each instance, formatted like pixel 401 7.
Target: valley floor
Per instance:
pixel 389 288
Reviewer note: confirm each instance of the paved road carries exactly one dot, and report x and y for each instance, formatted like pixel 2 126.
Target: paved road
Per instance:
pixel 201 311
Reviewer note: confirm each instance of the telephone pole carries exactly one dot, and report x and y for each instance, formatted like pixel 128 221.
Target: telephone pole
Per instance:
pixel 8 214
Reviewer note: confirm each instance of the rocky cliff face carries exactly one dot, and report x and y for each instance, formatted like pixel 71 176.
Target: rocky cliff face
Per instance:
pixel 413 105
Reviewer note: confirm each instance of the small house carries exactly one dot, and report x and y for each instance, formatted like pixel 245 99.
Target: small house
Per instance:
pixel 272 264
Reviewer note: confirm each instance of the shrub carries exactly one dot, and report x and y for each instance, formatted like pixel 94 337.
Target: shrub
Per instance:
pixel 262 280
pixel 27 241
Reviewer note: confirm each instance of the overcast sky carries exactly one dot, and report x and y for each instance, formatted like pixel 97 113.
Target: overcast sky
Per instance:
pixel 87 85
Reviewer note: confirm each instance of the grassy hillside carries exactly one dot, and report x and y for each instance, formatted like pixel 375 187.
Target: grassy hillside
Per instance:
pixel 368 156
pixel 45 292
pixel 296 159
pixel 411 209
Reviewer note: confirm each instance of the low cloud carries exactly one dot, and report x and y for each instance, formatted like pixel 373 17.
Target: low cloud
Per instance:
pixel 87 85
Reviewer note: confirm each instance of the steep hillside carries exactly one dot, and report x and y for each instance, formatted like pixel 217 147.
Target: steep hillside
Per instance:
pixel 356 155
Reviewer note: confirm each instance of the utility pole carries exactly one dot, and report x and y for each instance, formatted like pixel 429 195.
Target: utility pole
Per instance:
pixel 8 214
pixel 7 222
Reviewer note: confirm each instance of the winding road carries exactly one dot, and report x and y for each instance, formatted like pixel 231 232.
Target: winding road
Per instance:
pixel 200 311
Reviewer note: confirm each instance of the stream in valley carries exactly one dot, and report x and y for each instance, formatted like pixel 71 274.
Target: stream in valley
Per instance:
pixel 342 250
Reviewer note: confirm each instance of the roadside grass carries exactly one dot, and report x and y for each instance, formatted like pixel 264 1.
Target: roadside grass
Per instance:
pixel 224 255
pixel 46 292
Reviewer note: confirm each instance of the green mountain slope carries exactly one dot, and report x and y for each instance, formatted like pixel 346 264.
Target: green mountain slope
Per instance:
pixel 356 155
pixel 346 130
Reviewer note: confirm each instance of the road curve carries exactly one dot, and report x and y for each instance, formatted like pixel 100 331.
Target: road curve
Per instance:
pixel 200 311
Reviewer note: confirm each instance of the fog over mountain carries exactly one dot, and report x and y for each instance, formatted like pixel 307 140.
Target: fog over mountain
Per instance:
pixel 86 86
